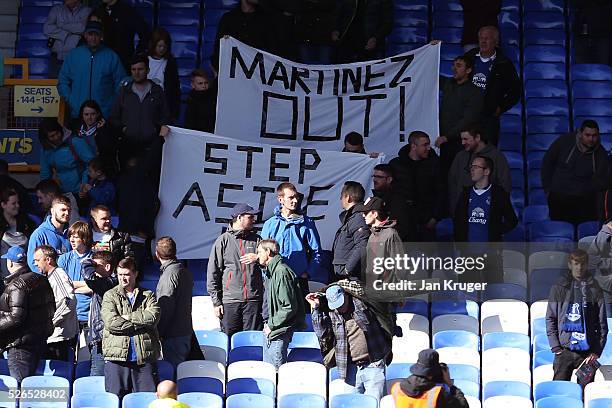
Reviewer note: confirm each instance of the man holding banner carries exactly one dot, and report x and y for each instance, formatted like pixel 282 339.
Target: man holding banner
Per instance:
pixel 296 234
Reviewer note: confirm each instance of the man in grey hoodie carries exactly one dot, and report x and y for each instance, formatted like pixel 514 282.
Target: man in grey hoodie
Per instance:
pixel 600 262
pixel 474 143
pixel 574 173
pixel 234 280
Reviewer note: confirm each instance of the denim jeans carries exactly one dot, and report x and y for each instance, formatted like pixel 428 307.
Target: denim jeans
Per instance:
pixel 97 359
pixel 367 379
pixel 22 362
pixel 275 351
pixel 176 349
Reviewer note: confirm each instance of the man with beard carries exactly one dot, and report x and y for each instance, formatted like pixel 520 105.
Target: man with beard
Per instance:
pixel 52 231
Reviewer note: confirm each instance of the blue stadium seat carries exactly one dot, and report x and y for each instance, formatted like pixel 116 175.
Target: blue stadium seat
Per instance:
pixel 509 388
pixel 138 399
pixel 183 34
pixel 511 124
pixel 34 49
pixel 448 52
pixel 249 401
pixel 540 342
pixel 588 228
pixel 444 230
pixel 55 368
pixel 31 32
pixel 549 124
pixel 251 386
pixel 538 326
pixel 556 402
pixel 88 384
pixel 456 338
pixel 164 4
pixel 537 196
pixel 509 36
pixel 543 357
pixel 214 344
pixel 539 142
pixel 541 280
pixel 39 67
pixel 185 50
pixel 508 20
pixel 40 3
pixel 535 213
pixel 557 389
pixel 517 177
pixel 504 291
pixel 547 107
pixel 401 35
pixel 600 403
pixel 534 159
pixel 6 384
pixel 398 371
pixel 452 5
pixel 302 401
pixel 95 400
pixel 544 20
pixel 510 5
pixel 246 353
pixel 513 54
pixel 141 3
pixel 591 107
pixel 604 122
pixel 591 72
pixel 545 88
pixel 544 37
pixel 464 372
pixel 518 198
pixel 304 346
pixel 506 339
pixel 200 384
pixel 469 388
pixel 450 35
pixel 353 400
pixel 212 17
pixel 415 306
pixel 543 5
pixel 221 4
pixel 201 399
pixel 247 338
pixel 402 18
pixel 463 307
pixel 34 15
pixel 448 19
pixel 544 53
pixel 199 287
pixel 544 70
pixel 412 5
pixel 511 142
pixel 592 90
pixel 559 229
pixel 515 160
pixel 179 16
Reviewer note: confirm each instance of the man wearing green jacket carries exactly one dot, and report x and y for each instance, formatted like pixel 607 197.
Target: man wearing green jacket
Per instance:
pixel 285 304
pixel 130 343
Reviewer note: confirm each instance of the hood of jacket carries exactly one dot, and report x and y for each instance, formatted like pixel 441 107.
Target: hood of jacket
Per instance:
pixel 386 225
pixel 581 151
pixel 414 386
pixel 605 229
pixel 296 218
pixel 47 225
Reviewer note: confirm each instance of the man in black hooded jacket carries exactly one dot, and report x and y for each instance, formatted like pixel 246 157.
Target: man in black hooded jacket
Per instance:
pixel 27 307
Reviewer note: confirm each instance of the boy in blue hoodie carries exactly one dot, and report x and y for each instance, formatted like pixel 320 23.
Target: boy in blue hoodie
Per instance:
pixel 52 231
pixel 81 241
pixel 98 188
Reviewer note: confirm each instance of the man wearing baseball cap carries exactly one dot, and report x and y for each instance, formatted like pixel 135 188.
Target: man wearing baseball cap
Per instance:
pixel 234 280
pixel 429 385
pixel 27 306
pixel 343 320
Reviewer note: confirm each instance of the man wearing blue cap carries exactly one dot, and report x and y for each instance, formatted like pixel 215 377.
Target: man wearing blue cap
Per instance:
pixel 234 280
pixel 27 307
pixel 362 348
pixel 429 385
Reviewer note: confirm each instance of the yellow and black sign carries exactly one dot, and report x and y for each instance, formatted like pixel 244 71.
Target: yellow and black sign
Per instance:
pixel 36 101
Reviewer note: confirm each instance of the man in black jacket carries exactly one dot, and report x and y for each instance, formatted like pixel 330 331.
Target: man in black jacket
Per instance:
pixel 576 323
pixel 574 171
pixel 352 237
pixel 27 307
pixel 361 29
pixel 122 25
pixel 234 279
pixel 107 238
pixel 495 75
pixel 396 204
pixel 174 291
pixel 418 178
pixel 141 112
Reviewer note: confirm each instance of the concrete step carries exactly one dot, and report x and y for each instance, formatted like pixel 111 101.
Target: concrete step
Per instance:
pixel 7 39
pixel 10 7
pixel 8 23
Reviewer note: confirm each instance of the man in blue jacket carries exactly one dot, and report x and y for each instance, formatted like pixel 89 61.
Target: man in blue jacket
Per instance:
pixel 91 71
pixel 52 231
pixel 297 237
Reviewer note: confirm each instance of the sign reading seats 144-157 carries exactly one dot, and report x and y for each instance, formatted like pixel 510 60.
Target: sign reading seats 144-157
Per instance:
pixel 36 101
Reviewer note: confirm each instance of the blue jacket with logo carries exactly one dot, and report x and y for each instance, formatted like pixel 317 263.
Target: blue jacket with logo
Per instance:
pixel 69 163
pixel 298 239
pixel 86 75
pixel 46 234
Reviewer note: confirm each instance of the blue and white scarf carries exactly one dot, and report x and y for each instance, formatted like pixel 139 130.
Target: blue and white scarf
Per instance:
pixel 575 318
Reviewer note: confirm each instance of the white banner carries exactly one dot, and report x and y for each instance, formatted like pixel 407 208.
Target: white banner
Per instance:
pixel 204 175
pixel 266 99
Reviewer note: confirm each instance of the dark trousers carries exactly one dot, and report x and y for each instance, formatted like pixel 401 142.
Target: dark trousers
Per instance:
pixel 22 362
pixel 124 377
pixel 241 316
pixel 574 209
pixel 60 350
pixel 565 363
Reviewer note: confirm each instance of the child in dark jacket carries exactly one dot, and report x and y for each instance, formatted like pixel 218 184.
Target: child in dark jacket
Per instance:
pixel 201 103
pixel 98 189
